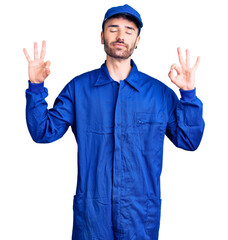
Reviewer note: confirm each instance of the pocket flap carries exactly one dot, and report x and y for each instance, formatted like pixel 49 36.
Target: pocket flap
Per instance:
pixel 143 117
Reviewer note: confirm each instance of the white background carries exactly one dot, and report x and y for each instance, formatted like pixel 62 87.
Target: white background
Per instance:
pixel 38 181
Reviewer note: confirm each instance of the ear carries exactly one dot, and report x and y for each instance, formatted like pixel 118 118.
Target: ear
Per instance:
pixel 137 41
pixel 102 37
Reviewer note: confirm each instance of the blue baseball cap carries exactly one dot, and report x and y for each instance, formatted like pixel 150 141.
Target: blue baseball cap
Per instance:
pixel 125 9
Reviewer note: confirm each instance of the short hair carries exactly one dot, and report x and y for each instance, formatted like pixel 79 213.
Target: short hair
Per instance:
pixel 125 16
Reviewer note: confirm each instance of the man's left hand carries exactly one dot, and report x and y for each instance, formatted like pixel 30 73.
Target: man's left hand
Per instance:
pixel 185 78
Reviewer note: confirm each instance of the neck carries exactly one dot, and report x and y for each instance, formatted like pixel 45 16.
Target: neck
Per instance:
pixel 118 69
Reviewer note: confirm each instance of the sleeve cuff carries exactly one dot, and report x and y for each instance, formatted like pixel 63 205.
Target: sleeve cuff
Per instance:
pixel 36 87
pixel 188 95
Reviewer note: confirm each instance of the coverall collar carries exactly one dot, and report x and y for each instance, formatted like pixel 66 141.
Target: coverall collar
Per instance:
pixel 104 76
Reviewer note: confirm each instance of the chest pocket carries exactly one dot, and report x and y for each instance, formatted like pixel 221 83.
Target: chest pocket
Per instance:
pixel 149 127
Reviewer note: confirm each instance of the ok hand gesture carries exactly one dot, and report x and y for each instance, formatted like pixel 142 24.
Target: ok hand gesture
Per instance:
pixel 38 69
pixel 185 78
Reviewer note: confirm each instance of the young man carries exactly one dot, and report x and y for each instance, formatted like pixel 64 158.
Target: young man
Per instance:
pixel 119 117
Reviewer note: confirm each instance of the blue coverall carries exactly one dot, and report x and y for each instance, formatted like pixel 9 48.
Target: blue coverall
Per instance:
pixel 120 130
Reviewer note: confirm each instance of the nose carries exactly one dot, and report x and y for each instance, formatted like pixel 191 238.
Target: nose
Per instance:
pixel 120 36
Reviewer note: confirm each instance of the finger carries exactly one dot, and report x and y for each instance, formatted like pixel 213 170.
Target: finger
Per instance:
pixel 43 50
pixel 180 56
pixel 171 76
pixel 177 68
pixel 27 55
pixel 48 71
pixel 35 50
pixel 47 64
pixel 188 58
pixel 197 63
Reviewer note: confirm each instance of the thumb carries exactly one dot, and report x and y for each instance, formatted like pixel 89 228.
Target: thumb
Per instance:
pixel 46 67
pixel 47 64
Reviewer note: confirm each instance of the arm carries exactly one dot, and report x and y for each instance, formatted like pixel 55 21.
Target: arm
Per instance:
pixel 46 125
pixel 185 125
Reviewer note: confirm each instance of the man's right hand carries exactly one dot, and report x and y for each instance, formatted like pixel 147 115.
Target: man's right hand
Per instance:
pixel 38 69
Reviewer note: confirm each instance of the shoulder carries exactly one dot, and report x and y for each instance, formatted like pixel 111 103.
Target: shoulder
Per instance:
pixel 86 75
pixel 145 78
pixel 84 79
pixel 156 85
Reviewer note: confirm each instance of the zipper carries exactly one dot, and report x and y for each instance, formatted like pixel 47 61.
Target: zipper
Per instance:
pixel 142 122
pixel 139 121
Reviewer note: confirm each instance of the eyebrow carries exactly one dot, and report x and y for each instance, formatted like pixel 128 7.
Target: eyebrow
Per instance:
pixel 113 25
pixel 131 28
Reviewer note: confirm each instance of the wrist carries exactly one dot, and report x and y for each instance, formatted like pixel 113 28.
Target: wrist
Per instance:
pixel 33 81
pixel 188 88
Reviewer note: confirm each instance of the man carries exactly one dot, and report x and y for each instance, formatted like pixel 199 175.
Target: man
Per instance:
pixel 119 117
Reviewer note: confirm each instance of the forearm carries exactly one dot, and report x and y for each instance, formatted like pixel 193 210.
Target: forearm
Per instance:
pixel 186 125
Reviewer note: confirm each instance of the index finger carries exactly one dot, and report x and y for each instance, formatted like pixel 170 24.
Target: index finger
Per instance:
pixel 35 51
pixel 197 63
pixel 26 55
pixel 43 50
pixel 187 58
pixel 180 56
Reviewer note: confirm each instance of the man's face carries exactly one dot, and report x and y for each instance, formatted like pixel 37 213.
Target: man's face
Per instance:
pixel 120 38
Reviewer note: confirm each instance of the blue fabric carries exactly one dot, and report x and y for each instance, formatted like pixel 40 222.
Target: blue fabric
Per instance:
pixel 188 95
pixel 36 87
pixel 120 130
pixel 124 9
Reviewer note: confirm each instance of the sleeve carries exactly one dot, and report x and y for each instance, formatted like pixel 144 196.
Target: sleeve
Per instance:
pixel 45 125
pixel 185 125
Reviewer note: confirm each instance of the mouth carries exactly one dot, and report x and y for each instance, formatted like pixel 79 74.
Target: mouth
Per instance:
pixel 119 45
